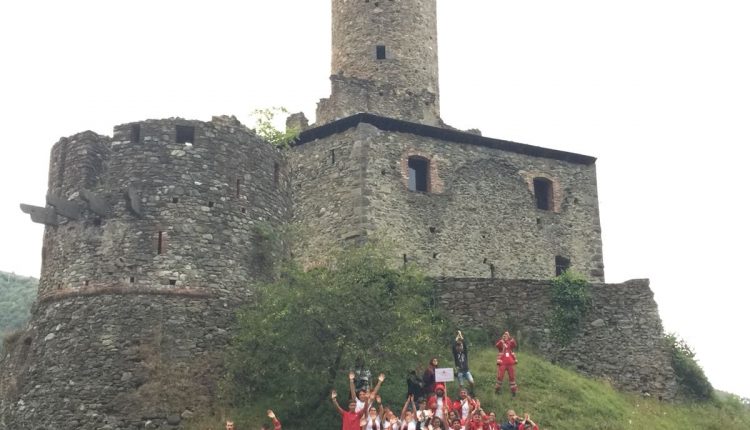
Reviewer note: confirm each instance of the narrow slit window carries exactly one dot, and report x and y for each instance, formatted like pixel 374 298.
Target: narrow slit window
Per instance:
pixel 135 133
pixel 237 188
pixel 185 134
pixel 419 169
pixel 380 52
pixel 333 156
pixel 543 193
pixel 561 265
pixel 160 243
pixel 275 175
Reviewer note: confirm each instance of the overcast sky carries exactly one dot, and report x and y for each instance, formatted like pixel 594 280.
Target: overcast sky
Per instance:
pixel 658 90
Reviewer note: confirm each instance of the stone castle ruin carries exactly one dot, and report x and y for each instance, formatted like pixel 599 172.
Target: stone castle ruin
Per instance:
pixel 153 235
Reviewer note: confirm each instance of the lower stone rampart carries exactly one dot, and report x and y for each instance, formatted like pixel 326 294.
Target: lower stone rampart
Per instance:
pixel 620 338
pixel 110 359
pixel 115 361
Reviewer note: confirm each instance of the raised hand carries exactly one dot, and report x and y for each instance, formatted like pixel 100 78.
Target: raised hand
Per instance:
pixel 351 376
pixel 270 414
pixel 381 377
pixel 333 394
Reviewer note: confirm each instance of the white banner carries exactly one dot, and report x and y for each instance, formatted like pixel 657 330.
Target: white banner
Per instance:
pixel 444 374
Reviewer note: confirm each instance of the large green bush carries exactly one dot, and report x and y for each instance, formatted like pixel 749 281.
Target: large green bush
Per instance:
pixel 692 382
pixel 571 300
pixel 303 334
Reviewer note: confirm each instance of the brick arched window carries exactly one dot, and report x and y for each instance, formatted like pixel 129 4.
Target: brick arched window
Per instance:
pixel 419 174
pixel 543 192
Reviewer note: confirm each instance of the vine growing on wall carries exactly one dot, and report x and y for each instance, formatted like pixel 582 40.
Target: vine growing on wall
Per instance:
pixel 571 300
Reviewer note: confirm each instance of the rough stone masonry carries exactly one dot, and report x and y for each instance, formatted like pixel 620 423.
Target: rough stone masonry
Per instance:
pixel 154 236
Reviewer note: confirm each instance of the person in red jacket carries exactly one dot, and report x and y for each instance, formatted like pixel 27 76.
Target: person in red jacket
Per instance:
pixel 276 422
pixel 490 421
pixel 349 419
pixel 465 405
pixel 506 362
pixel 440 403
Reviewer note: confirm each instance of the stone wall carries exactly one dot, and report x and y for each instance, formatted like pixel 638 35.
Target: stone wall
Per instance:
pixel 171 214
pixel 153 238
pixel 479 218
pixel 620 341
pixel 328 193
pixel 115 361
pixel 403 84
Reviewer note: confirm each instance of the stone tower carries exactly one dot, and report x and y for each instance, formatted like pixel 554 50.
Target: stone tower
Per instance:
pixel 384 61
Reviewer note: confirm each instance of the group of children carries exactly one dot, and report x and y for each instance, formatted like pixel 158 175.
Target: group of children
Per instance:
pixel 428 406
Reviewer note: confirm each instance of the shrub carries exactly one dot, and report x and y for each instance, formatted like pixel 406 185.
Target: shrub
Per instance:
pixel 303 334
pixel 692 382
pixel 571 300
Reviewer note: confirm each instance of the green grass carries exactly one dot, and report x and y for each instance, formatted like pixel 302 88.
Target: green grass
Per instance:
pixel 562 399
pixel 557 398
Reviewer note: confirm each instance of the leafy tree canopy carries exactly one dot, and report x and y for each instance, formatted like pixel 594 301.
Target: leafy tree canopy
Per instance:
pixel 304 333
pixel 16 295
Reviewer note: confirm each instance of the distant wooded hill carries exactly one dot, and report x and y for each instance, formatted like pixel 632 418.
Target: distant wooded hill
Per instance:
pixel 16 295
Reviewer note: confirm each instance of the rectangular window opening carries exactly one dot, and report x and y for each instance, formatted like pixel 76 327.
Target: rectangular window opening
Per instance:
pixel 275 175
pixel 160 244
pixel 173 282
pixel 543 193
pixel 135 133
pixel 132 280
pixel 210 204
pixel 237 189
pixel 333 156
pixel 175 200
pixel 561 265
pixel 419 169
pixel 380 52
pixel 185 134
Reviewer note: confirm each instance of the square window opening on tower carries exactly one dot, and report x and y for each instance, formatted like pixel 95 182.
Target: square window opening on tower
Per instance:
pixel 380 52
pixel 185 134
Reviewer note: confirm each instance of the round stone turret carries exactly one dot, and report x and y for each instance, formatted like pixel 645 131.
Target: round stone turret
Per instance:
pixel 384 61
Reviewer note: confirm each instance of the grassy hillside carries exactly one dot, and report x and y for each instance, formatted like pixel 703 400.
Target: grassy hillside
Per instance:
pixel 558 398
pixel 16 295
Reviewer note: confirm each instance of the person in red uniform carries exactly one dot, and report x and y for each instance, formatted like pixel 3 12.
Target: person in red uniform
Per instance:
pixel 440 403
pixel 276 422
pixel 349 419
pixel 506 362
pixel 490 421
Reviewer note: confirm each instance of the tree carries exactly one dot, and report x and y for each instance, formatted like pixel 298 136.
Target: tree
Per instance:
pixel 16 295
pixel 692 382
pixel 304 332
pixel 265 127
